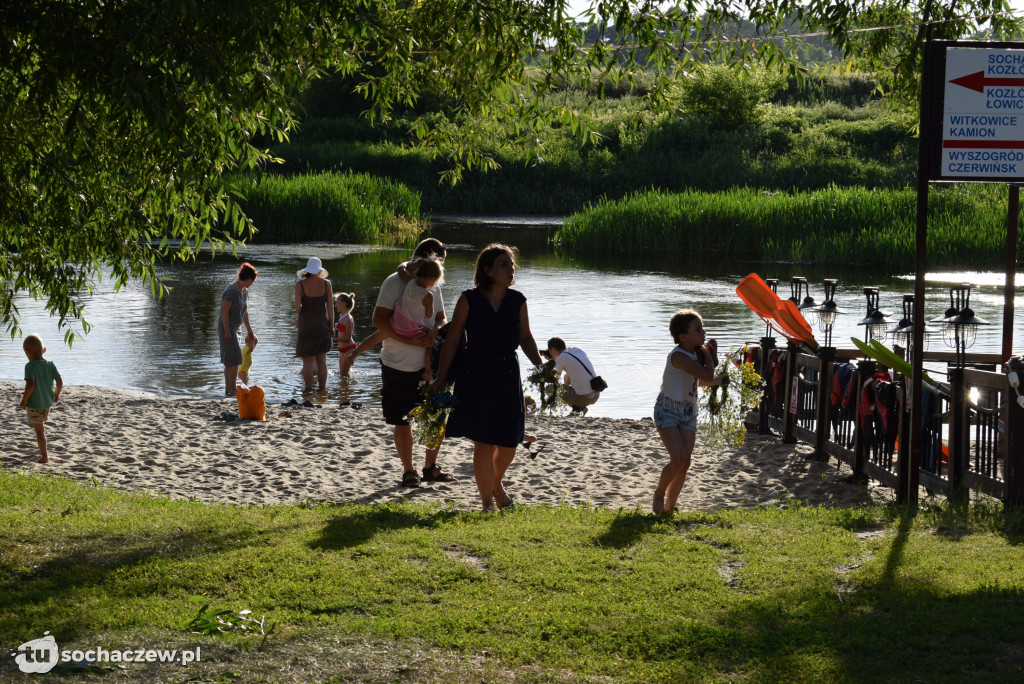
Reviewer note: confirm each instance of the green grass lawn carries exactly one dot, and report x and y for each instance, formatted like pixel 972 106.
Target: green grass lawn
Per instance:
pixel 408 592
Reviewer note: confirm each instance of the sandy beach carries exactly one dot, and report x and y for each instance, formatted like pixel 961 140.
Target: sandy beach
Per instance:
pixel 181 449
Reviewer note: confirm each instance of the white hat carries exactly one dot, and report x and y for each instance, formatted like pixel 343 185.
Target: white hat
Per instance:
pixel 313 267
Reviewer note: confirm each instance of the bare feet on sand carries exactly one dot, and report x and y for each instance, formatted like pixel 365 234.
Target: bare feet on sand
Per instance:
pixel 503 500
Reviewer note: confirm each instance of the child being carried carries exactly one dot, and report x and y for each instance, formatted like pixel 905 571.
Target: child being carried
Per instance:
pixel 414 312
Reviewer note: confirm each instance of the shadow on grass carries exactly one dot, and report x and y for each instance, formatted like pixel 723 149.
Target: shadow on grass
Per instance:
pixel 921 635
pixel 899 626
pixel 354 526
pixel 98 562
pixel 629 526
pixel 894 559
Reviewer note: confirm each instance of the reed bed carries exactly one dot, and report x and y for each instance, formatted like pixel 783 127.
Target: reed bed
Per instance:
pixel 836 225
pixel 351 207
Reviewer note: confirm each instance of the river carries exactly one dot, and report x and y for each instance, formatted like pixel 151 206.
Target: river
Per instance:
pixel 615 309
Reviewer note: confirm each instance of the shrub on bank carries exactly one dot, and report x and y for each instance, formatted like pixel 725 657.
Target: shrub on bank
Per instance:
pixel 791 149
pixel 351 207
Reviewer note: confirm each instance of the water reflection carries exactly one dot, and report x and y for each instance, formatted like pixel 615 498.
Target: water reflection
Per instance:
pixel 616 309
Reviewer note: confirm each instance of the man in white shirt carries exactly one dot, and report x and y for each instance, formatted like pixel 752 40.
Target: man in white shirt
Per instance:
pixel 402 364
pixel 578 370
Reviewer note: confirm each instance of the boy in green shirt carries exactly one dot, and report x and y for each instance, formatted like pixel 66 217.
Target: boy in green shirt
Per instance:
pixel 40 376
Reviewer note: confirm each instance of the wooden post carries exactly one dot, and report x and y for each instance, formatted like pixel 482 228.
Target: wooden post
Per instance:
pixel 767 347
pixel 827 356
pixel 903 430
pixel 1014 463
pixel 932 85
pixel 1012 215
pixel 906 435
pixel 865 369
pixel 958 433
pixel 789 417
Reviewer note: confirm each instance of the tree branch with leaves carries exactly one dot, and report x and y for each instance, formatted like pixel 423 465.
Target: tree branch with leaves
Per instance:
pixel 121 123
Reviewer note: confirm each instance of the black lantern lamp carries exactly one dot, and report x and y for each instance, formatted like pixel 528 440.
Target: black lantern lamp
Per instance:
pixel 877 320
pixel 955 299
pixel 959 329
pixel 903 333
pixel 960 325
pixel 828 312
pixel 801 296
pixel 773 283
pixel 796 288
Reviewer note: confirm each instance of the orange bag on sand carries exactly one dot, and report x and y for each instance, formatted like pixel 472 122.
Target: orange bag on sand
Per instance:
pixel 252 404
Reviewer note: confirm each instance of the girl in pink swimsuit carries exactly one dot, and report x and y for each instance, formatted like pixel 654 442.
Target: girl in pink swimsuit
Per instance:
pixel 344 302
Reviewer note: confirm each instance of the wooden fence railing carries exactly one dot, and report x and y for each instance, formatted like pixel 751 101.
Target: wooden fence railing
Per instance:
pixel 857 412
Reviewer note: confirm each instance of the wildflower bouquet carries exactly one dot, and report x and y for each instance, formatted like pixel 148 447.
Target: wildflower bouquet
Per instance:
pixel 728 404
pixel 550 390
pixel 430 418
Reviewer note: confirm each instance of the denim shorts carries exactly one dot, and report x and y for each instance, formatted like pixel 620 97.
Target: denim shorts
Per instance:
pixel 669 413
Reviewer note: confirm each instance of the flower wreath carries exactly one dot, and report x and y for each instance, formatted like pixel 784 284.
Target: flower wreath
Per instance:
pixel 728 403
pixel 430 419
pixel 545 379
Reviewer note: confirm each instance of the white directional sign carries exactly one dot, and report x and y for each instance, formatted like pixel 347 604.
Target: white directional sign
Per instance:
pixel 983 114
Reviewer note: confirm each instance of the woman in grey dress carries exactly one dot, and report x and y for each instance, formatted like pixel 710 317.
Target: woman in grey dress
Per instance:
pixel 233 313
pixel 314 301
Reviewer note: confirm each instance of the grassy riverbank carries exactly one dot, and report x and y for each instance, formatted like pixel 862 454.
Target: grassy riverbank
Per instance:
pixel 966 225
pixel 374 593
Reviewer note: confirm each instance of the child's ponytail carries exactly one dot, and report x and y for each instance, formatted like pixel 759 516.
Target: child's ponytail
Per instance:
pixel 347 298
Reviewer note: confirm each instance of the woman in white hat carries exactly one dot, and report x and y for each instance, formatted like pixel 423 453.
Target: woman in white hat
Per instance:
pixel 314 301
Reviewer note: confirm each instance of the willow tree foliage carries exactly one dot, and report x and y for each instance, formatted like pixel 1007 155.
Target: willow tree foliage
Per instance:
pixel 120 119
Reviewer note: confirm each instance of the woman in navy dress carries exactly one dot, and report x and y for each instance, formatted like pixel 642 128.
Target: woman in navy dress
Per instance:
pixel 490 409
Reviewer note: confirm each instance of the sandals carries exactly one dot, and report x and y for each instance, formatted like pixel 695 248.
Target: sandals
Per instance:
pixel 306 404
pixel 431 474
pixel 434 474
pixel 529 449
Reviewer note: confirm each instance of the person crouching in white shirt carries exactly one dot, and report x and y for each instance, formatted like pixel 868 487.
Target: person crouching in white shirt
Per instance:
pixel 578 392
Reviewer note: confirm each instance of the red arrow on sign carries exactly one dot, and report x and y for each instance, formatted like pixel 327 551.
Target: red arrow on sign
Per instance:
pixel 984 144
pixel 977 81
